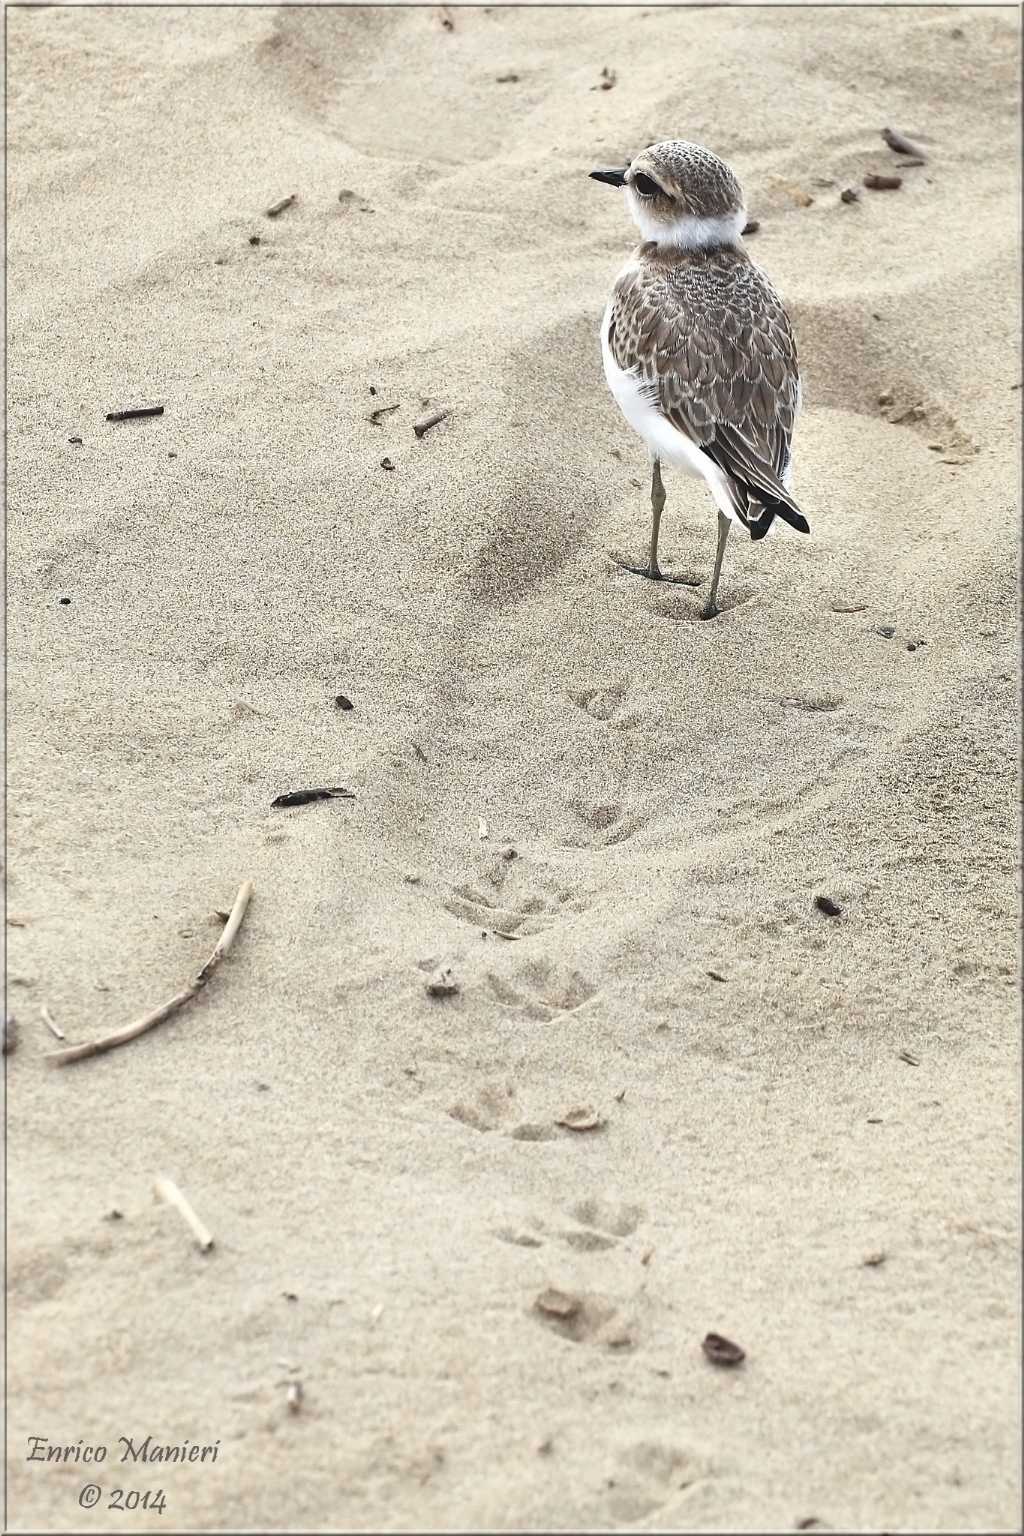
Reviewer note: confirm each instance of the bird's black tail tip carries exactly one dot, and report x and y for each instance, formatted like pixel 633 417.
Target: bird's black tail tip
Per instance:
pixel 773 509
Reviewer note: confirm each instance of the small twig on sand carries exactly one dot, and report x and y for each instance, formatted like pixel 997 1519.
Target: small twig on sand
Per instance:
pixel 157 1016
pixel 307 796
pixel 48 1020
pixel 169 1191
pixel 381 410
pixel 280 206
pixel 902 145
pixel 876 183
pixel 132 411
pixel 426 422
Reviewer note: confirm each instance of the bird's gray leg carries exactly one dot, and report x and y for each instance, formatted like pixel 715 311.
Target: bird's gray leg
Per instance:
pixel 657 507
pixel 652 570
pixel 711 607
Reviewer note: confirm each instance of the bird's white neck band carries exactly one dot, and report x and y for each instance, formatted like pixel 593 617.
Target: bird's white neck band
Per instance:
pixel 687 233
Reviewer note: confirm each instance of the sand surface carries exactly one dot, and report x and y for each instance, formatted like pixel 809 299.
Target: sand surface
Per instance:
pixel 663 799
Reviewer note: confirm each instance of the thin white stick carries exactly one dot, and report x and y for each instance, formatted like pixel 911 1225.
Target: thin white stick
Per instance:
pixel 47 1018
pixel 169 1191
pixel 196 985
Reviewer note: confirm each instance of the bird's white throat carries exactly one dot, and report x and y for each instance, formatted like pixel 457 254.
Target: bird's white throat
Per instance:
pixel 687 233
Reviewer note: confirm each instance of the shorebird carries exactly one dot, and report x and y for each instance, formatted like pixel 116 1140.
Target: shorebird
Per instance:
pixel 698 349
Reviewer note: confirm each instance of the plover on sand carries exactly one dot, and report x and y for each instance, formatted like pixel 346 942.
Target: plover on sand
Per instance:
pixel 698 349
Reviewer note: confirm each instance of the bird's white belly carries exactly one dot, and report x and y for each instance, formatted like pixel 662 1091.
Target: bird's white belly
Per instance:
pixel 664 441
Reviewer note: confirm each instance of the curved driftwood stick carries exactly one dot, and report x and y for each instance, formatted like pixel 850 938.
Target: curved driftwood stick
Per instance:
pixel 157 1015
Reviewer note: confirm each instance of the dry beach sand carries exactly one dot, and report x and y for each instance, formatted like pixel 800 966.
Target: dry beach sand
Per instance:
pixel 781 1097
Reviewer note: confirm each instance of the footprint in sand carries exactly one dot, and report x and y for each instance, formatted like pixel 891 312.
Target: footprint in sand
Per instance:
pixel 649 1474
pixel 542 990
pixel 493 1108
pixel 583 1317
pixel 605 703
pixel 513 898
pixel 601 823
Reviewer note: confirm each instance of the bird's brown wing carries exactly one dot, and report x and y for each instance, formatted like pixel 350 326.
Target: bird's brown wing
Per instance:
pixel 712 343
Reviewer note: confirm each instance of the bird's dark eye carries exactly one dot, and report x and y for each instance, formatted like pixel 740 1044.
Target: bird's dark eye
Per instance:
pixel 645 186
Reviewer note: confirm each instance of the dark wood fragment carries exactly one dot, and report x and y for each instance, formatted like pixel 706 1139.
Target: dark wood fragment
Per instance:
pixel 722 1351
pixel 425 423
pixel 305 796
pixel 131 412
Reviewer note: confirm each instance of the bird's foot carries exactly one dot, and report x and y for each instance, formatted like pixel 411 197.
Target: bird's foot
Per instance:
pixel 655 573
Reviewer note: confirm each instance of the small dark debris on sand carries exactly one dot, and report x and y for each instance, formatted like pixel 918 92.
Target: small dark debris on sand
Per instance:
pixel 133 412
pixel 607 81
pixel 341 702
pixel 447 19
pixel 901 145
pixel 442 983
pixel 717 976
pixel 909 1057
pixel 849 195
pixel 425 423
pixel 306 796
pixel 507 79
pixel 254 240
pixel 280 206
pixel 722 1351
pixel 877 183
pixel 885 630
pixel 381 410
pixel 828 906
pixel 386 464
pixel 74 440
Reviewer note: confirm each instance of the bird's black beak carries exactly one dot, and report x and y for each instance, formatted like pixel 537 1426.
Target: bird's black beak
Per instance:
pixel 613 178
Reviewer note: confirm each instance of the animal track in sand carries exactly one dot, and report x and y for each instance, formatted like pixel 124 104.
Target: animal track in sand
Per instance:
pixel 668 604
pixel 604 703
pixel 602 823
pixel 512 899
pixel 648 1475
pixel 542 990
pixel 600 1224
pixel 494 1109
pixel 583 1318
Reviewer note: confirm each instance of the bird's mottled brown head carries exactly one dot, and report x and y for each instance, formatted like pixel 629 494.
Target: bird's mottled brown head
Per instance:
pixel 681 195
